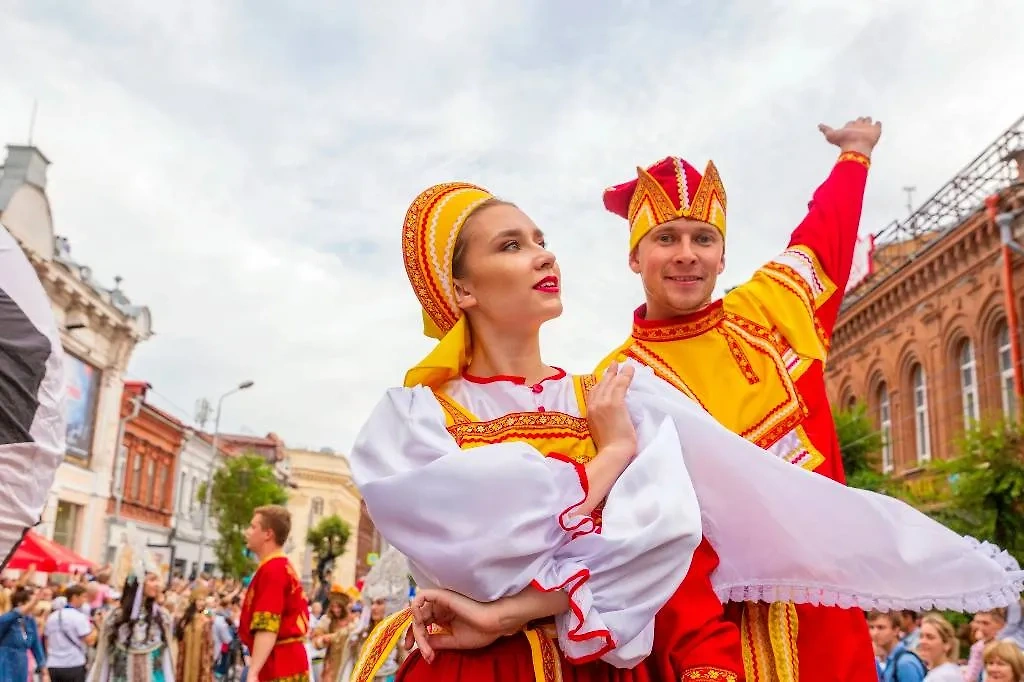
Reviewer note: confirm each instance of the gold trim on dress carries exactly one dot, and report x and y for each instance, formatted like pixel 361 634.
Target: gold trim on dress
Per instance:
pixel 706 673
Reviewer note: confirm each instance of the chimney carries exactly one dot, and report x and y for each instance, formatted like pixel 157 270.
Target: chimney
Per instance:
pixel 26 164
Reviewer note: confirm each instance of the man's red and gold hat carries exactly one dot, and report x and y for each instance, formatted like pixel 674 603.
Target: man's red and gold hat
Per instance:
pixel 665 191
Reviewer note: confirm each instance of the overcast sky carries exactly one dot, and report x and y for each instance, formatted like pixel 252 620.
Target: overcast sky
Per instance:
pixel 245 166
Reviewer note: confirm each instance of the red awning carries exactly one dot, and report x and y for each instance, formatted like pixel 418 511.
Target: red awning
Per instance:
pixel 47 556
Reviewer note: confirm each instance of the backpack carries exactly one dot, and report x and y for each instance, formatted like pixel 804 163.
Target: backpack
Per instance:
pixel 896 662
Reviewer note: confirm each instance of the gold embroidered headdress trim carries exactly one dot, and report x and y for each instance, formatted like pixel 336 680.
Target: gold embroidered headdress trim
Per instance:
pixel 665 191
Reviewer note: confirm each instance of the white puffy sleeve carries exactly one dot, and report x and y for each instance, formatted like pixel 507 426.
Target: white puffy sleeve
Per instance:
pixel 783 533
pixel 489 521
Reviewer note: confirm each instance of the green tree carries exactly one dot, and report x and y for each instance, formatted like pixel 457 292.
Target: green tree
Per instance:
pixel 984 497
pixel 242 484
pixel 328 539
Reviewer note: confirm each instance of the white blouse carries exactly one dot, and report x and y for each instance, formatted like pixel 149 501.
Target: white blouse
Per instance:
pixel 490 521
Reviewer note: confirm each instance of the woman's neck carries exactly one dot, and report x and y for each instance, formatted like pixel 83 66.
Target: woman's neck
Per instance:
pixel 501 352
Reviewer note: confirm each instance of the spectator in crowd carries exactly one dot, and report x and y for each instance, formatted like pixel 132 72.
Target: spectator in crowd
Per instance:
pixel 18 637
pixel 900 664
pixel 332 633
pixel 910 623
pixel 1014 629
pixel 69 634
pixel 225 637
pixel 1004 662
pixel 194 635
pixel 987 625
pixel 939 649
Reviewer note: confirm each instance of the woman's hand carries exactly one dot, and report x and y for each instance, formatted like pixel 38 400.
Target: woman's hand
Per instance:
pixel 447 620
pixel 610 424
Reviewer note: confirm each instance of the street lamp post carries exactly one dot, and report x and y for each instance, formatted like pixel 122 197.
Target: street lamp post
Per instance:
pixel 209 478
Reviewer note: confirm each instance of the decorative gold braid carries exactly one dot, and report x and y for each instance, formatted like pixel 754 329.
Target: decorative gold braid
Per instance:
pixel 265 621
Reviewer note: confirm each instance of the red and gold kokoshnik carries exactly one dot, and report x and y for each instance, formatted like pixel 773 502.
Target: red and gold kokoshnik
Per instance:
pixel 432 225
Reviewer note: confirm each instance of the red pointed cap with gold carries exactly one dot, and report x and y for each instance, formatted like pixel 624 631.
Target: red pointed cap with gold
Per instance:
pixel 665 191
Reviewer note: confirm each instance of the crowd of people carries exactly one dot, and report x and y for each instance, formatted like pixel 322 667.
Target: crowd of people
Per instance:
pixel 185 631
pixel 911 647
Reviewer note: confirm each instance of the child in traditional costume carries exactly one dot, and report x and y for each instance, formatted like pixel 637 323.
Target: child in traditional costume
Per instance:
pixel 454 473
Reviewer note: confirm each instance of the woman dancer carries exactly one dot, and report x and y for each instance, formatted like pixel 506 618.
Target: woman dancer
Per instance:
pixel 451 472
pixel 496 517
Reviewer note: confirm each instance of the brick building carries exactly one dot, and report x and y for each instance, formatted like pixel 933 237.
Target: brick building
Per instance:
pixel 144 497
pixel 930 341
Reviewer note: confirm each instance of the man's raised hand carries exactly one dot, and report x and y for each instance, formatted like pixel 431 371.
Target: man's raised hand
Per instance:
pixel 859 135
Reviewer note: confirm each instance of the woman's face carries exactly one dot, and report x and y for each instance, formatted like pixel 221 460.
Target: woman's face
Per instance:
pixel 998 670
pixel 930 647
pixel 377 610
pixel 151 588
pixel 508 276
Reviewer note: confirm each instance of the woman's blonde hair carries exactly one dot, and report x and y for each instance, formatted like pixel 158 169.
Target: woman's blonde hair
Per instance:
pixel 1008 652
pixel 946 633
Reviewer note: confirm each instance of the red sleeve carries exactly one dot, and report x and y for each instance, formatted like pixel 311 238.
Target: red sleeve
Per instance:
pixel 692 639
pixel 268 600
pixel 830 227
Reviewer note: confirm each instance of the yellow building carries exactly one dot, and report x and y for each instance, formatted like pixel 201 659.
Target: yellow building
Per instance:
pixel 322 486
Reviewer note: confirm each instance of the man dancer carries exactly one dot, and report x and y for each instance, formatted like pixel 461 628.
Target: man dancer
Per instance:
pixel 755 359
pixel 275 614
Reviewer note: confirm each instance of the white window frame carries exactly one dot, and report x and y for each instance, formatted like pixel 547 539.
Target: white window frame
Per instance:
pixel 1006 378
pixel 885 426
pixel 968 383
pixel 922 431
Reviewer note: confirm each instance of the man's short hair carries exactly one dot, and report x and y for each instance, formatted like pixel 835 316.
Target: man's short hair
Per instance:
pixel 892 616
pixel 74 591
pixel 277 520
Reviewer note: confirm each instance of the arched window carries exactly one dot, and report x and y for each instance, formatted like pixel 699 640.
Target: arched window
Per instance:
pixel 885 426
pixel 922 434
pixel 1006 370
pixel 968 383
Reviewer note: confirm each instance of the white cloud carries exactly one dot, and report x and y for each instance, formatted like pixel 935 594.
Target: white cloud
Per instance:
pixel 245 168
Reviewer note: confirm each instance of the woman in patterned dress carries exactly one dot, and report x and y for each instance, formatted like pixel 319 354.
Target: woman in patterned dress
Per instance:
pixel 135 644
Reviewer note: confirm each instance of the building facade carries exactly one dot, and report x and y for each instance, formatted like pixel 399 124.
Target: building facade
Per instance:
pixel 197 461
pixel 321 486
pixel 930 343
pixel 99 329
pixel 270 447
pixel 143 494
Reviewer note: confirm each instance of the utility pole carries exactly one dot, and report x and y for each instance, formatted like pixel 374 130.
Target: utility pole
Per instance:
pixel 209 478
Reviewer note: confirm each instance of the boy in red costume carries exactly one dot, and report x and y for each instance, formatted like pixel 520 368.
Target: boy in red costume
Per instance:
pixel 275 613
pixel 755 358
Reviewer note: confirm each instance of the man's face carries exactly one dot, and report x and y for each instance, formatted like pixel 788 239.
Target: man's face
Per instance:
pixel 988 626
pixel 883 633
pixel 256 535
pixel 679 263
